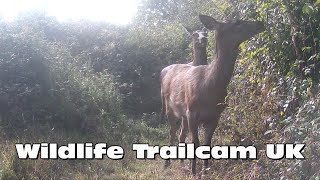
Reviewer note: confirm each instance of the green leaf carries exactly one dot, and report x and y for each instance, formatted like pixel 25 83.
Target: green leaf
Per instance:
pixel 315 178
pixel 307 9
pixel 306 48
pixel 317 3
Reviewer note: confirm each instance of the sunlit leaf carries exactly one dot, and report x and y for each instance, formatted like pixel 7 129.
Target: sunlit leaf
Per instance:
pixel 306 48
pixel 307 9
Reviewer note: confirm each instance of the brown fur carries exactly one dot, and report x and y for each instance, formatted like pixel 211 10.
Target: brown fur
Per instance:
pixel 199 52
pixel 199 47
pixel 195 95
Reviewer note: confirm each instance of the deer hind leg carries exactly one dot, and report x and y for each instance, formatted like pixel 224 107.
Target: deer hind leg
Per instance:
pixel 193 129
pixel 209 127
pixel 183 132
pixel 174 126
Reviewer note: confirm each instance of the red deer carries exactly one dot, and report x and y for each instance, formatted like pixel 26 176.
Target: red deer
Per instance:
pixel 199 55
pixel 199 52
pixel 195 95
pixel 199 46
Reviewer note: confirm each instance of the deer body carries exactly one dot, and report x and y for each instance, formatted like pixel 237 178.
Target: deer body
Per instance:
pixel 188 91
pixel 196 94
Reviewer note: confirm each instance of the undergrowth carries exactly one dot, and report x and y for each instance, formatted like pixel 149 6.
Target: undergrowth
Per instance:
pixel 128 168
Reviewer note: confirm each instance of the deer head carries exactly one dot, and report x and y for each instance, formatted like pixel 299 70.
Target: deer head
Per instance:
pixel 199 37
pixel 233 32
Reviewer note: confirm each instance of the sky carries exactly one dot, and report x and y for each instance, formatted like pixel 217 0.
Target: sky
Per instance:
pixel 114 11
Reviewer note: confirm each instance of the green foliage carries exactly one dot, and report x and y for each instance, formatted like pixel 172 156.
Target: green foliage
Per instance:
pixel 162 13
pixel 275 79
pixel 44 83
pixel 274 93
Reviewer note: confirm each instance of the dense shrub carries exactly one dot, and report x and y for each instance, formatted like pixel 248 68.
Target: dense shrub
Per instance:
pixel 41 82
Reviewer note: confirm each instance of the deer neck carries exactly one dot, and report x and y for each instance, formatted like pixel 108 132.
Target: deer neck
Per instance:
pixel 199 56
pixel 221 70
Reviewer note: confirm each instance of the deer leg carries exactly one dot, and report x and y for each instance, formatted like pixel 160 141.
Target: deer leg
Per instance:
pixel 195 141
pixel 174 126
pixel 183 132
pixel 209 127
pixel 193 129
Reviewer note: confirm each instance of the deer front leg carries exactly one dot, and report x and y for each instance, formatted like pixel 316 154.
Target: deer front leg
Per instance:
pixel 209 128
pixel 193 129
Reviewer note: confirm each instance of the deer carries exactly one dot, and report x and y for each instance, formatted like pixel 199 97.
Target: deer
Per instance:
pixel 199 46
pixel 199 52
pixel 195 95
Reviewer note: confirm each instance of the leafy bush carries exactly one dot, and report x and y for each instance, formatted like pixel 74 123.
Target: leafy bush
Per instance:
pixel 43 83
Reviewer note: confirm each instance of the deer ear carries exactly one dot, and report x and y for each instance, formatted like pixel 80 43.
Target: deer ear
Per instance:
pixel 209 22
pixel 188 30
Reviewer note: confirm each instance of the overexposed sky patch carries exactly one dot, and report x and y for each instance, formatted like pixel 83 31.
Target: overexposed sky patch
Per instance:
pixel 114 11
